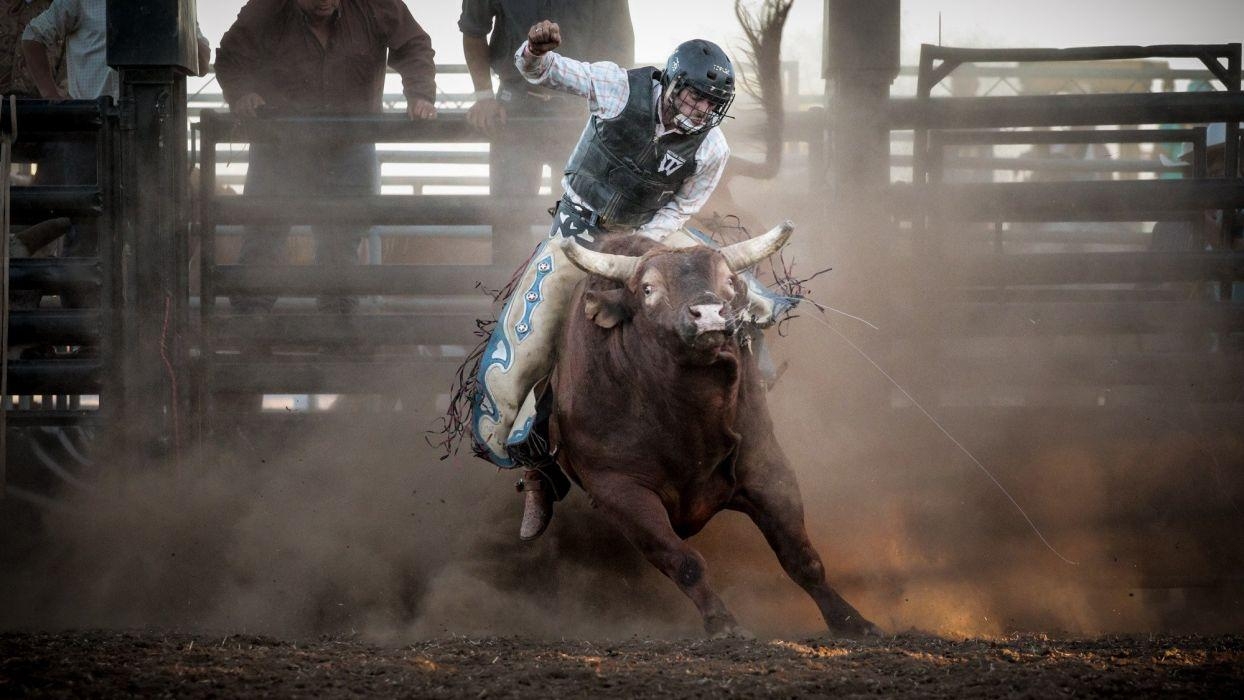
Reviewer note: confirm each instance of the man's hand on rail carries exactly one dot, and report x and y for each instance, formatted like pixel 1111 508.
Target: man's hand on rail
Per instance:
pixel 421 109
pixel 246 105
pixel 487 115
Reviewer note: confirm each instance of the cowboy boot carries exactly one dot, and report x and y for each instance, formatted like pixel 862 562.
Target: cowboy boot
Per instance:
pixel 537 504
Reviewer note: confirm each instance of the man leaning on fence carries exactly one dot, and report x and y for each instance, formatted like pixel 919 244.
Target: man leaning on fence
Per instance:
pixel 517 116
pixel 81 27
pixel 318 57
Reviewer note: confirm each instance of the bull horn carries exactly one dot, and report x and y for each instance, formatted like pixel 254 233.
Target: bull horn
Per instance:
pixel 744 254
pixel 615 267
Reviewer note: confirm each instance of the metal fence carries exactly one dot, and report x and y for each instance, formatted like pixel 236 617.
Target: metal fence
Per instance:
pixel 62 362
pixel 1048 292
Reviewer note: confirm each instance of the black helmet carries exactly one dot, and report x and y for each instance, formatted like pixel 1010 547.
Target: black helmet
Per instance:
pixel 703 66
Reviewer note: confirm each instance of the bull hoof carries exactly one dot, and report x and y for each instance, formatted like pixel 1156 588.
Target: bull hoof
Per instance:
pixel 856 628
pixel 735 633
pixel 724 626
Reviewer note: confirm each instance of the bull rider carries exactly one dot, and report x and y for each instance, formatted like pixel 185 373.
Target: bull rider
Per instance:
pixel 648 159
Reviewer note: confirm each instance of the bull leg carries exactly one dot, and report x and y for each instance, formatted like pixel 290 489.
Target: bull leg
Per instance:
pixel 777 509
pixel 646 524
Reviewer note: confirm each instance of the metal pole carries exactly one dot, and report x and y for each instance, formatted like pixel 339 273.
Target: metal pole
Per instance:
pixel 152 44
pixel 154 288
pixel 6 150
pixel 208 134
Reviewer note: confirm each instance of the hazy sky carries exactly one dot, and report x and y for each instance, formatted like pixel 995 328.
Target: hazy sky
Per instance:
pixel 661 24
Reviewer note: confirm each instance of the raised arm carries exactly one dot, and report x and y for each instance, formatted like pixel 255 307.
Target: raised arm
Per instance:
pixel 604 84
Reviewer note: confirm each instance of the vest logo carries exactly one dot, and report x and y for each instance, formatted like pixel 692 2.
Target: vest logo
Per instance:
pixel 670 162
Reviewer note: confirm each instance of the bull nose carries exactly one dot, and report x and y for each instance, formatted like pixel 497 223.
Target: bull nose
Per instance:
pixel 707 317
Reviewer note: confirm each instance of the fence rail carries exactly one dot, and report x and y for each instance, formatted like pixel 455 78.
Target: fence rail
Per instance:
pixel 1013 299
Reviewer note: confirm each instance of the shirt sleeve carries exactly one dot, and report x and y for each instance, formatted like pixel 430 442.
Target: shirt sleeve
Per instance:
pixel 410 51
pixel 476 18
pixel 604 84
pixel 693 195
pixel 239 56
pixel 53 24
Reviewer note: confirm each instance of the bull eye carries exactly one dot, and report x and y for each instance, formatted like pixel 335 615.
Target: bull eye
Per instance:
pixel 647 289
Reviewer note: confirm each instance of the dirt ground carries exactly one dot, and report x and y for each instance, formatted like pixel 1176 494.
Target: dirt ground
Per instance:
pixel 150 664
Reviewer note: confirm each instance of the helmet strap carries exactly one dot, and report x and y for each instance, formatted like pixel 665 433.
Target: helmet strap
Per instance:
pixel 686 125
pixel 671 113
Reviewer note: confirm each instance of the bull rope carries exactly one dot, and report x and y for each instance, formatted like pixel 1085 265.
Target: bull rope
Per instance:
pixel 1033 526
pixel 795 289
pixel 172 380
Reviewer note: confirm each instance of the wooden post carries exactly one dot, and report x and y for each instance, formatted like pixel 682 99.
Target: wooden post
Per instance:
pixel 153 45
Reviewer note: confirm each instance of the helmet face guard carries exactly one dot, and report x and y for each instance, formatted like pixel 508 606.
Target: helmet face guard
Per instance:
pixel 688 102
pixel 698 85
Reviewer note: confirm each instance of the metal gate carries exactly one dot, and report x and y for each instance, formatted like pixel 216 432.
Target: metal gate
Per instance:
pixel 62 369
pixel 407 337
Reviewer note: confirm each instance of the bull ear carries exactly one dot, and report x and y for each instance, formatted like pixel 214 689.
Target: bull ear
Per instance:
pixel 606 308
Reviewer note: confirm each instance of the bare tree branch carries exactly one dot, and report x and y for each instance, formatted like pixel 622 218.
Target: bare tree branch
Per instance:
pixel 763 31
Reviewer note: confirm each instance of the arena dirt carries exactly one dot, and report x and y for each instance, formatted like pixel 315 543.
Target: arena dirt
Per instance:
pixel 181 665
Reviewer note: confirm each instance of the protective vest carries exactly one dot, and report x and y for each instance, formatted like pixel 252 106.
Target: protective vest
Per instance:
pixel 621 169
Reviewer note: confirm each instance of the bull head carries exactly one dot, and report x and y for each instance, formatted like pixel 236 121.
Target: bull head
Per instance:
pixel 739 256
pixel 691 297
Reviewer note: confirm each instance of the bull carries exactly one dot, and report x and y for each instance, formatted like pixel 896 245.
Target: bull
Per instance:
pixel 660 416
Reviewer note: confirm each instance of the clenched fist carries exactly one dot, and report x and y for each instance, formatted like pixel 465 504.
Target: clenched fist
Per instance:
pixel 543 37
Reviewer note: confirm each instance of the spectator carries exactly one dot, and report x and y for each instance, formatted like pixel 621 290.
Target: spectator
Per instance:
pixel 1192 235
pixel 81 26
pixel 15 78
pixel 318 57
pixel 1205 233
pixel 492 30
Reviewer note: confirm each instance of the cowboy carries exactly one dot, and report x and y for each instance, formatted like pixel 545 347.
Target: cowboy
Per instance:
pixel 1186 235
pixel 314 57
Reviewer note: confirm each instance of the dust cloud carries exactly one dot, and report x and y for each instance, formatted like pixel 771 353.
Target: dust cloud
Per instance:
pixel 362 529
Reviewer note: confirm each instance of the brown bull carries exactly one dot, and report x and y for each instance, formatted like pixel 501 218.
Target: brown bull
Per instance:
pixel 660 416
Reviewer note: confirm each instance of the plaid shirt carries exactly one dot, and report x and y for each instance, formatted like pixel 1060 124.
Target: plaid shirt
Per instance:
pixel 606 88
pixel 82 25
